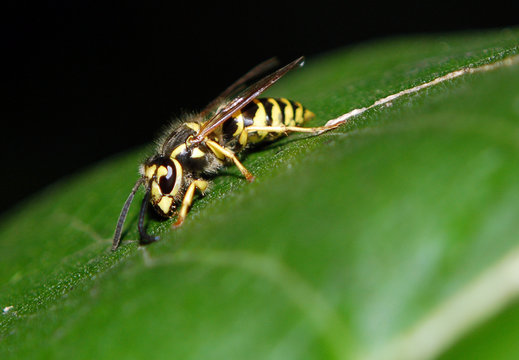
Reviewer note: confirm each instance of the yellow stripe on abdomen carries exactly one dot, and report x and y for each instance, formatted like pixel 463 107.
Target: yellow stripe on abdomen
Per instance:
pixel 298 118
pixel 275 112
pixel 288 112
pixel 259 119
pixel 263 112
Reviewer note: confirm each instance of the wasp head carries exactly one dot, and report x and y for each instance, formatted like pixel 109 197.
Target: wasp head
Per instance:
pixel 164 178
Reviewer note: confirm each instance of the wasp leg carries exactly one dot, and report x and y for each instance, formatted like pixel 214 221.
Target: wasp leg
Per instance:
pixel 221 152
pixel 283 128
pixel 188 200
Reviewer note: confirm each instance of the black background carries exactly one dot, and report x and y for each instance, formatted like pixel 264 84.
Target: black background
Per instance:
pixel 86 80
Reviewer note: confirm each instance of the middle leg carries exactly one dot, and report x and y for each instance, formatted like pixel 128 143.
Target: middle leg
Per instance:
pixel 220 150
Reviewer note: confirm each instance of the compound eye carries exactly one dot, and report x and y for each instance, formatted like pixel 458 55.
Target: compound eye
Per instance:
pixel 168 176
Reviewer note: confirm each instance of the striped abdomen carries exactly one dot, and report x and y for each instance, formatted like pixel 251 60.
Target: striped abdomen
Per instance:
pixel 262 112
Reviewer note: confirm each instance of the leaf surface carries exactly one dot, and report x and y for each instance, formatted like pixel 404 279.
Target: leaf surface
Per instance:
pixel 342 246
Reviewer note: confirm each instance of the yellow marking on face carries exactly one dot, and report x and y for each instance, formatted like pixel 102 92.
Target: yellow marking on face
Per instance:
pixel 192 125
pixel 161 171
pixel 155 192
pixel 275 113
pixel 289 113
pixel 165 204
pixel 149 171
pixel 197 153
pixel 177 151
pixel 178 179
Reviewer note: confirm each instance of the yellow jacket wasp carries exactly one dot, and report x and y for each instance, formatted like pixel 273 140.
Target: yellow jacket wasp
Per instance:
pixel 204 142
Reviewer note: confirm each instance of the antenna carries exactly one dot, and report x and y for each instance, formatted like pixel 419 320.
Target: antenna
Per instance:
pixel 124 212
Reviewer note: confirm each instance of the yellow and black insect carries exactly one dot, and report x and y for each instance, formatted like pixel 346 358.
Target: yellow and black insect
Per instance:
pixel 204 142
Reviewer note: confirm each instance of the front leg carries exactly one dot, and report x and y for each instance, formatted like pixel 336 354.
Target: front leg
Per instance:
pixel 188 199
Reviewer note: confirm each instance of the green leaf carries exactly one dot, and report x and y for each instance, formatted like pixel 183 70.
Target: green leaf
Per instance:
pixel 389 237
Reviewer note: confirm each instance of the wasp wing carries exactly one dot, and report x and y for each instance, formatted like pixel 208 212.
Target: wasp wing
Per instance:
pixel 242 99
pixel 239 84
